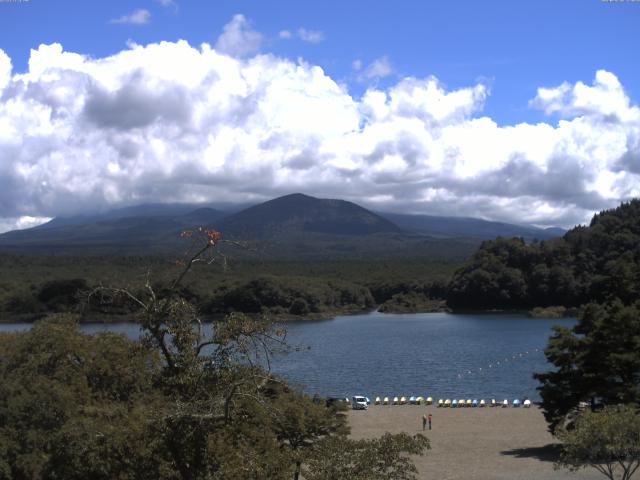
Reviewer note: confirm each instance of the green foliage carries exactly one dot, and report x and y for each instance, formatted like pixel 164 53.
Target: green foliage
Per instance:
pixel 608 441
pixel 381 458
pixel 277 288
pixel 66 398
pixel 596 263
pixel 597 360
pixel 183 402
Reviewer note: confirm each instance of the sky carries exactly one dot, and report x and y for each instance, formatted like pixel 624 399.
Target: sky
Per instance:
pixel 526 112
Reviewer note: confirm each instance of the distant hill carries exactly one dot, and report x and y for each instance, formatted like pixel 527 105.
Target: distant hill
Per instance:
pixel 127 230
pixel 469 227
pixel 298 213
pixel 294 226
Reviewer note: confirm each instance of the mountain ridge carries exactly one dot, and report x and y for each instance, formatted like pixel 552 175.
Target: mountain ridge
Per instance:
pixel 294 223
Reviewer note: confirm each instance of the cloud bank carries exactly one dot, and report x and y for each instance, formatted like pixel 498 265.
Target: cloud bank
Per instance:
pixel 173 122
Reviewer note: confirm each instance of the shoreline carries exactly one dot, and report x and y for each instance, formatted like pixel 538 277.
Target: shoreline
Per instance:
pixel 30 318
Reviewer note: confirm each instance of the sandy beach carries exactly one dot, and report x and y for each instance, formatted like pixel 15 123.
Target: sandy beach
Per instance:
pixel 472 443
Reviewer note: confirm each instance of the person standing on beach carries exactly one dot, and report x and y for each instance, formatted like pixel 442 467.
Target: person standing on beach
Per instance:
pixel 424 422
pixel 429 422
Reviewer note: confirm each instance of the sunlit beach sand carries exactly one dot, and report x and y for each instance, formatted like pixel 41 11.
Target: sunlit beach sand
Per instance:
pixel 472 443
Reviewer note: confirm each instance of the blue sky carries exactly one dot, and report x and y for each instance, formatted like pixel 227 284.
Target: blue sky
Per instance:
pixel 516 111
pixel 515 47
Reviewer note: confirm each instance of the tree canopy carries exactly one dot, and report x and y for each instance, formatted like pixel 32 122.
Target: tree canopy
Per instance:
pixel 598 263
pixel 608 441
pixel 186 401
pixel 596 361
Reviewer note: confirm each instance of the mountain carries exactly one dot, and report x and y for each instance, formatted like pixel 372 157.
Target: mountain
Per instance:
pixel 295 226
pixel 127 230
pixel 298 213
pixel 469 227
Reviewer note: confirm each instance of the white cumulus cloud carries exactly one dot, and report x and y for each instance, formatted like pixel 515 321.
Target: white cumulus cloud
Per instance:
pixel 380 67
pixel 172 122
pixel 137 17
pixel 238 37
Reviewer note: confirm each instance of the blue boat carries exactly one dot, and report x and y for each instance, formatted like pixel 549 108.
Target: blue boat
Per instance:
pixel 454 403
pixel 412 400
pixel 516 403
pixel 474 403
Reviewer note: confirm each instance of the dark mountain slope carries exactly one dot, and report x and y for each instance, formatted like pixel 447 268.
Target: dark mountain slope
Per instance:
pixel 468 227
pixel 297 213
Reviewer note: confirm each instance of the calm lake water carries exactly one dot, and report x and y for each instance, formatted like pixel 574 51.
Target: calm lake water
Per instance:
pixel 436 354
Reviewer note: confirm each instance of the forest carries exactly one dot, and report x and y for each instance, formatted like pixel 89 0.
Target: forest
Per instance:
pixel 599 262
pixel 594 263
pixel 32 286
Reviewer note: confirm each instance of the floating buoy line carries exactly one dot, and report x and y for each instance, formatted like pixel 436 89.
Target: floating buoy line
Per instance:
pixel 497 364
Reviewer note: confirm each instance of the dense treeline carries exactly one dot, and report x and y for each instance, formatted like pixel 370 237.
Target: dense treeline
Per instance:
pixel 33 286
pixel 595 263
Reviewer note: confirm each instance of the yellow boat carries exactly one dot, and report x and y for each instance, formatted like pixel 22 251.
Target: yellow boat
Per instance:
pixel 461 403
pixel 429 400
pixel 440 402
pixel 468 404
pixel 447 403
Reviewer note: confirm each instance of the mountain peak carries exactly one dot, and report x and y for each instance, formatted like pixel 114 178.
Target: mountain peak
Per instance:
pixel 302 213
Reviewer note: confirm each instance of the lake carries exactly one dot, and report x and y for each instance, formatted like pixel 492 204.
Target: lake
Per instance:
pixel 441 355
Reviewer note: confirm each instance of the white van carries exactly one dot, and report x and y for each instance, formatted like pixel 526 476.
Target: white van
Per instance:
pixel 359 402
